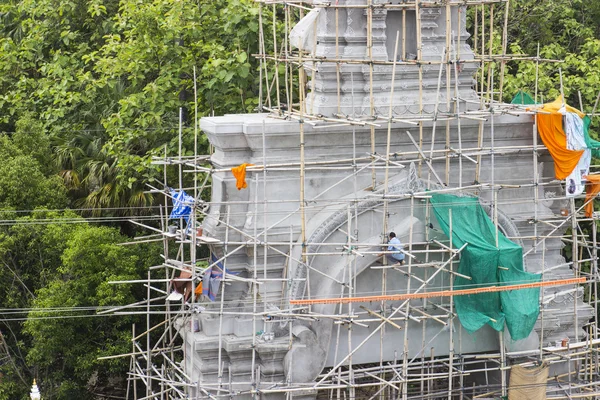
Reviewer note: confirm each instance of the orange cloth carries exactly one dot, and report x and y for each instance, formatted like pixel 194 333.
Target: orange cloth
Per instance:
pixel 240 175
pixel 198 290
pixel 552 134
pixel 550 128
pixel 591 191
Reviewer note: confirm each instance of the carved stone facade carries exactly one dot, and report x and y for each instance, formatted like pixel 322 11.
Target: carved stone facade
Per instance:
pixel 355 78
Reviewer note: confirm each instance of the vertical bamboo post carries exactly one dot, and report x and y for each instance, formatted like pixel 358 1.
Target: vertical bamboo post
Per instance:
pixel 435 115
pixel 288 73
pixel 448 85
pixel 537 73
pixel 261 59
pixel 193 215
pixel 263 51
pixel 427 247
pixel 148 347
pixel 255 375
pixel 407 310
pixel 458 120
pixel 265 211
pixel 482 54
pixel 350 294
pixel 490 88
pixel 225 251
pixel 481 81
pixel 420 69
pixel 575 254
pixel 459 11
pixel 390 122
pixel 476 30
pixel 337 57
pixel 302 172
pixel 133 362
pixel 594 328
pixel 313 80
pixel 541 300
pixel 404 34
pixel 386 183
pixel 451 321
pixel 371 99
pixel 275 53
pixel 504 45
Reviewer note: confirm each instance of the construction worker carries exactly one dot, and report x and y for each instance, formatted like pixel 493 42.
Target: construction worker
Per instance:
pixel 395 246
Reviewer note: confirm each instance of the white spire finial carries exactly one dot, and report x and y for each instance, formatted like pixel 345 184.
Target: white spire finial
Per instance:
pixel 35 392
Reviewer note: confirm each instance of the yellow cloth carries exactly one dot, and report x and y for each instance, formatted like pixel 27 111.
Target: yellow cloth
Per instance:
pixel 240 175
pixel 591 191
pixel 550 128
pixel 557 105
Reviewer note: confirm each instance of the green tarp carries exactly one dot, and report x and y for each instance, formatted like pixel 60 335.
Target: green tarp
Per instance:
pixel 522 98
pixel 592 144
pixel 481 260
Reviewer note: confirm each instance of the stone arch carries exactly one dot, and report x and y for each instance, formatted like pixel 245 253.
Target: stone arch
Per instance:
pixel 313 347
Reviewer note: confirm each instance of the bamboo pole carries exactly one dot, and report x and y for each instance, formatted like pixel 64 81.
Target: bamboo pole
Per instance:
pixel 451 321
pixel 448 84
pixel 276 73
pixel 504 45
pixel 490 84
pixel 386 185
pixel 371 98
pixel 440 293
pixel 420 70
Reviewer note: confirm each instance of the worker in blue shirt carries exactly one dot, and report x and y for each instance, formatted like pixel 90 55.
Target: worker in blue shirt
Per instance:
pixel 395 246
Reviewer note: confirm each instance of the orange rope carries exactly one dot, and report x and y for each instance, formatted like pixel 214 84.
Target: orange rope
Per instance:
pixel 443 293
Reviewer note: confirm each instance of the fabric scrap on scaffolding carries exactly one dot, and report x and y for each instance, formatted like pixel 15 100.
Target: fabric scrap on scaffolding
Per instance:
pixel 182 205
pixel 302 35
pixel 528 383
pixel 183 284
pixel 239 173
pixel 211 281
pixel 592 190
pixel 574 130
pixel 198 290
pixel 487 264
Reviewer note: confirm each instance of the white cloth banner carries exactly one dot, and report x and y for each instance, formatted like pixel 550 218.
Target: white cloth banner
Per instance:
pixel 573 125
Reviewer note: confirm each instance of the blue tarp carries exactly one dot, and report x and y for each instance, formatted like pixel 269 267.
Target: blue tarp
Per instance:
pixel 211 281
pixel 182 205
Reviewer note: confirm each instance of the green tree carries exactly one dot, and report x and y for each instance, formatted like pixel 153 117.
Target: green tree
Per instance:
pixel 26 180
pixel 119 72
pixel 66 344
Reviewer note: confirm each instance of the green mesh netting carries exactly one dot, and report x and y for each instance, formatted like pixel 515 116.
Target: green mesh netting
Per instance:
pixel 522 98
pixel 592 144
pixel 480 260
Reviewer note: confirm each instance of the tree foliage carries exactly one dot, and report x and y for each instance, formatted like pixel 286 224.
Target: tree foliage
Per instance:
pixel 106 79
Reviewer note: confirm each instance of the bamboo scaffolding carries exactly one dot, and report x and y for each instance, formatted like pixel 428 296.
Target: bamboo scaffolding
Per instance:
pixel 431 372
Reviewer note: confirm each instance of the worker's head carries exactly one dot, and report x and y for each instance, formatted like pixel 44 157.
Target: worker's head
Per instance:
pixel 392 235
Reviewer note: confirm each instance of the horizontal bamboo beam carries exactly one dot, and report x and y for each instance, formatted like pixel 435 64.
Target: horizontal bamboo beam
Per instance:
pixel 441 293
